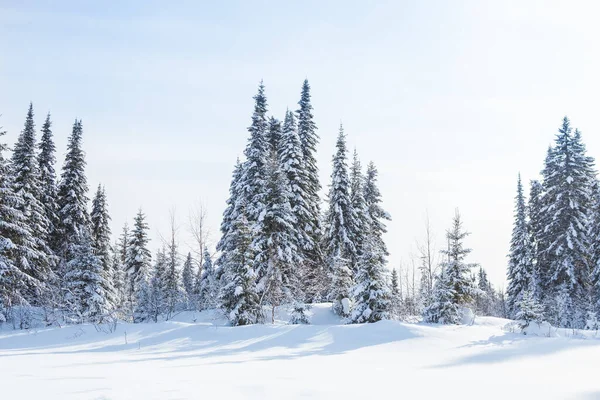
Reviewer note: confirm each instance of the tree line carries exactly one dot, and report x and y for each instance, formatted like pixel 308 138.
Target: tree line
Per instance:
pixel 278 247
pixel 554 259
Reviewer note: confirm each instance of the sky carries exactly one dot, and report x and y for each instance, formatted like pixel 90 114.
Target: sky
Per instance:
pixel 451 100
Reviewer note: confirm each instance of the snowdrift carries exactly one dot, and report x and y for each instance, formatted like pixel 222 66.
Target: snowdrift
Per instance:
pixel 196 355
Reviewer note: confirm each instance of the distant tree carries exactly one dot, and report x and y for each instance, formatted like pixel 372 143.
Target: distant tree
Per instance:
pixel 520 265
pixel 187 278
pixel 138 257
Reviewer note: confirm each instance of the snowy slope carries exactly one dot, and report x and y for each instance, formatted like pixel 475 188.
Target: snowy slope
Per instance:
pixel 182 359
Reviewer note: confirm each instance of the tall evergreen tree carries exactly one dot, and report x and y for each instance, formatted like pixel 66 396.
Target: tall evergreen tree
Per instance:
pixel 74 220
pixel 276 242
pixel 372 299
pixel 520 264
pixel 84 284
pixel 239 299
pixel 376 215
pixel 359 206
pixel 254 169
pixel 567 182
pixel 308 137
pixel 340 224
pixel 100 235
pixel 138 258
pixel 26 184
pixel 536 236
pixel 292 165
pixel 46 161
pixel 16 244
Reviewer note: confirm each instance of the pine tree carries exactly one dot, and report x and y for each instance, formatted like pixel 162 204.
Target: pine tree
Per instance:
pixel 235 207
pixel 16 244
pixel 443 309
pixel 340 224
pixel 396 300
pixel 239 299
pixel 209 285
pixel 528 311
pixel 152 302
pixel 359 206
pixel 84 284
pixel 457 271
pixel 118 278
pixel 292 165
pixel 138 257
pixel 254 169
pixel 187 278
pixel 372 301
pixel 274 135
pixel 26 184
pixel 454 288
pixel 308 137
pixel 72 198
pixel 520 265
pixel 172 290
pixel 536 237
pixel 100 220
pixel 276 243
pixel 47 176
pixel 376 215
pixel 568 178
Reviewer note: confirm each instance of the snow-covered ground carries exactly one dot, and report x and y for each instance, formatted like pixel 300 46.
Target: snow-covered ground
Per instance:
pixel 183 359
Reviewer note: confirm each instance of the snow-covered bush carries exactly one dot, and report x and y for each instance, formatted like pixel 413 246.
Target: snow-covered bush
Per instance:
pixel 529 311
pixel 299 314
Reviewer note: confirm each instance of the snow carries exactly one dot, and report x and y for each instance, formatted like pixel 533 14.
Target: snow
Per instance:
pixel 197 355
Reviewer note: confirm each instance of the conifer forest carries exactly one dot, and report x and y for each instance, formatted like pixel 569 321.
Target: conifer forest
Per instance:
pixel 317 199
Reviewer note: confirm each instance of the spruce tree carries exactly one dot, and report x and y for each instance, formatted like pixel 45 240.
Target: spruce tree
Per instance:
pixel 520 264
pixel 74 220
pixel 569 176
pixel 239 299
pixel 138 257
pixel 47 176
pixel 359 207
pixel 209 285
pixel 276 243
pixel 454 288
pixel 172 289
pixel 187 279
pixel 457 270
pixel 372 299
pixel 84 284
pixel 396 300
pixel 274 134
pixel 339 227
pixel 100 220
pixel 536 237
pixel 254 169
pixel 292 166
pixel 376 215
pixel 443 309
pixel 16 243
pixel 308 137
pixel 26 185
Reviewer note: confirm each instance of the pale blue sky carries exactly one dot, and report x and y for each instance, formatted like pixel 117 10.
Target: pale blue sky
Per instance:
pixel 449 99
